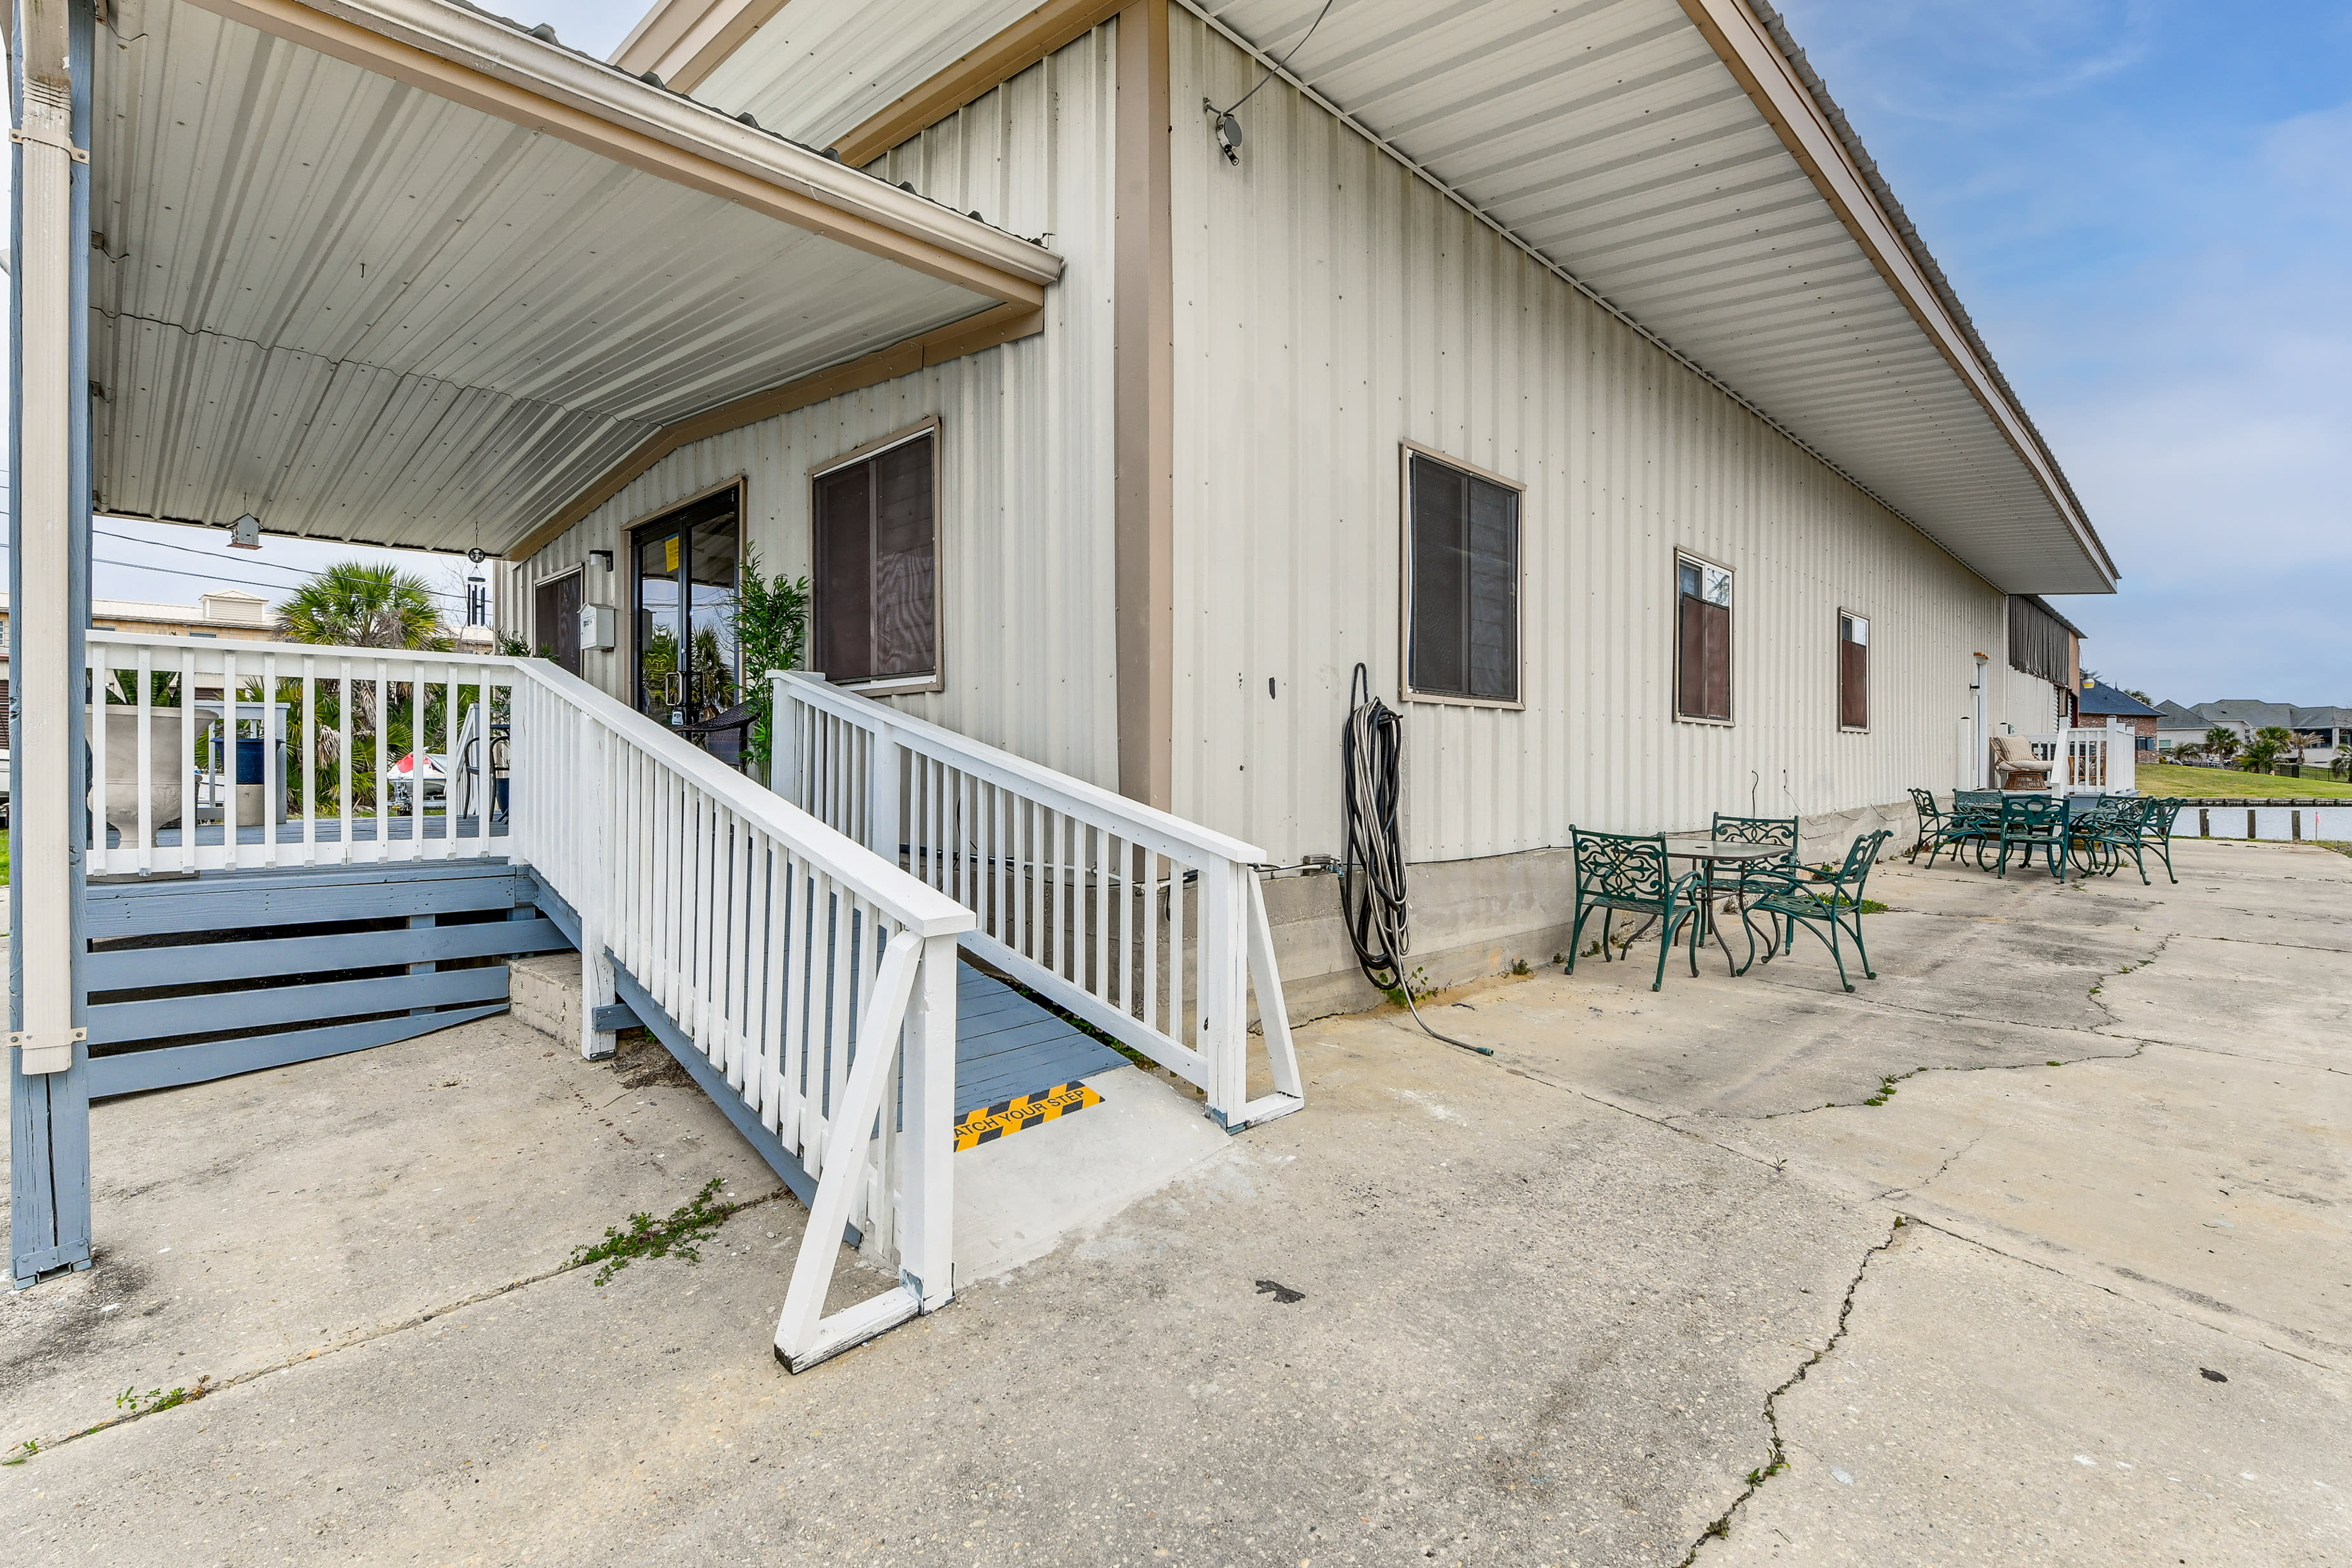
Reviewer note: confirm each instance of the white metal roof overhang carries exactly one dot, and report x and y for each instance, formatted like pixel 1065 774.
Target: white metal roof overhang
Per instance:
pixel 400 271
pixel 1680 163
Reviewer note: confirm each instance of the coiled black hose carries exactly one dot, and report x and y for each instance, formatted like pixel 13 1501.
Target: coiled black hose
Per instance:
pixel 1373 902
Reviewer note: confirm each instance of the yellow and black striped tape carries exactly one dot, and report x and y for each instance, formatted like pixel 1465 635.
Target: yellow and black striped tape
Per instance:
pixel 1005 1118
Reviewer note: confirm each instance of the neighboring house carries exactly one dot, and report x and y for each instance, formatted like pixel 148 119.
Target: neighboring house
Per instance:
pixel 2323 732
pixel 1558 402
pixel 221 613
pixel 229 613
pixel 2096 702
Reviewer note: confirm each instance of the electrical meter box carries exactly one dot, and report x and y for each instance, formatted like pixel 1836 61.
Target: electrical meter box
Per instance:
pixel 596 629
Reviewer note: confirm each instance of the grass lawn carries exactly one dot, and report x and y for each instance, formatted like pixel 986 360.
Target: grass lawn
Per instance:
pixel 2164 779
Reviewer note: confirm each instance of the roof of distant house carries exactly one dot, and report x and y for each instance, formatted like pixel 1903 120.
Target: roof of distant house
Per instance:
pixel 2252 713
pixel 2098 696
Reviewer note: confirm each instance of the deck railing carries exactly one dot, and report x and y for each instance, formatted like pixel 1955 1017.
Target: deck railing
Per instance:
pixel 1146 926
pixel 2098 760
pixel 818 979
pixel 170 720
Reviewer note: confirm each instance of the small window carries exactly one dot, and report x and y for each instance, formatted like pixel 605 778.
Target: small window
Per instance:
pixel 1853 672
pixel 1702 640
pixel 875 601
pixel 1463 640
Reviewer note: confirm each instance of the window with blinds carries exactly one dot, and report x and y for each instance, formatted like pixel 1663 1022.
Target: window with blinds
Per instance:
pixel 874 601
pixel 1702 640
pixel 1853 672
pixel 1464 590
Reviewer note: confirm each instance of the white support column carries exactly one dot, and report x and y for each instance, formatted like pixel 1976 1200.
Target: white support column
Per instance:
pixel 46 686
pixel 1977 763
pixel 594 850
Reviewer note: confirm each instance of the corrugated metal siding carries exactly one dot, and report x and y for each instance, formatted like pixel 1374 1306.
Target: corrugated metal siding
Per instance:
pixel 1329 306
pixel 1025 432
pixel 1610 137
pixel 819 69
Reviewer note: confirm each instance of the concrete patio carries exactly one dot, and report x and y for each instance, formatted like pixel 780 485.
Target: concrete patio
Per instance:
pixel 2079 1290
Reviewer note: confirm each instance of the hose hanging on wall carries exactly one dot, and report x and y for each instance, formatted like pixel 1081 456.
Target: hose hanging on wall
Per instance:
pixel 1372 877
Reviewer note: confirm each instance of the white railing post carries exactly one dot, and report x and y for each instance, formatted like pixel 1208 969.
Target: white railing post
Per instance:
pixel 926 1236
pixel 592 846
pixel 1221 1022
pixel 783 740
pixel 2122 742
pixel 882 793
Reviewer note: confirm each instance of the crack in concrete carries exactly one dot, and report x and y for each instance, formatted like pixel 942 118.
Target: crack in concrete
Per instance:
pixel 1721 1527
pixel 2106 1288
pixel 1892 1193
pixel 207 1387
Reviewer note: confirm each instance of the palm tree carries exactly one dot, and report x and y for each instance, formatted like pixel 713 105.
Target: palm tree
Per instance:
pixel 359 603
pixel 2222 742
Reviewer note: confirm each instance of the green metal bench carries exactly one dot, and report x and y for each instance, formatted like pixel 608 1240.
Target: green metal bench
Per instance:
pixel 1830 907
pixel 1623 872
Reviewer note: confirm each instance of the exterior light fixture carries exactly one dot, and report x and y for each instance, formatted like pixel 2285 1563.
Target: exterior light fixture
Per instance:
pixel 1229 138
pixel 244 533
pixel 601 558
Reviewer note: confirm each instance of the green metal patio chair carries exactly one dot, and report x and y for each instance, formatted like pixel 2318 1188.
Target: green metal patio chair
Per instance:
pixel 1973 822
pixel 2099 835
pixel 2156 831
pixel 2032 825
pixel 1830 907
pixel 1932 824
pixel 1786 831
pixel 1629 871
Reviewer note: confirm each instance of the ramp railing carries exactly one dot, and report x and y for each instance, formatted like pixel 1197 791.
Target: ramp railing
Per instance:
pixel 1146 926
pixel 815 978
pixel 818 978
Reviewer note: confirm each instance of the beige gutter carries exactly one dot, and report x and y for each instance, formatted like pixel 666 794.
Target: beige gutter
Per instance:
pixel 469 58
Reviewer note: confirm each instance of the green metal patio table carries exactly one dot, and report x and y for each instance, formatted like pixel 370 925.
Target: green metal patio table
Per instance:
pixel 1709 853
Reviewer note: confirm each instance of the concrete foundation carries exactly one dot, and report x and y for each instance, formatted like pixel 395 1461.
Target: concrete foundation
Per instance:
pixel 1473 919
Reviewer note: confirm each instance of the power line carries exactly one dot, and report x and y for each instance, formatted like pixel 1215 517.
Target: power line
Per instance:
pixel 225 577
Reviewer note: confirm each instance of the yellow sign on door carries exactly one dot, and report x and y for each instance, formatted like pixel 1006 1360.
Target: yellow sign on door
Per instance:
pixel 670 553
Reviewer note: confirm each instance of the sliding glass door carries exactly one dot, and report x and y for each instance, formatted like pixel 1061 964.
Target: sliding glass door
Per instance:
pixel 683 565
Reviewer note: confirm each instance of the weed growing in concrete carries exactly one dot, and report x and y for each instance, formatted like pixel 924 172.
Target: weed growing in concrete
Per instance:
pixel 2056 1064
pixel 23 1451
pixel 1416 986
pixel 157 1399
pixel 1519 967
pixel 682 1233
pixel 1885 1090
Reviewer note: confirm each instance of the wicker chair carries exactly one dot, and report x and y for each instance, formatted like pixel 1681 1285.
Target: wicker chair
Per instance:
pixel 2013 758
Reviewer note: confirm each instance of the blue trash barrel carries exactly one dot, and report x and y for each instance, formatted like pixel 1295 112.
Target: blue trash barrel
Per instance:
pixel 248 760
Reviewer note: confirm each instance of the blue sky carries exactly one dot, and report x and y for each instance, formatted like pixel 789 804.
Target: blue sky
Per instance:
pixel 2147 208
